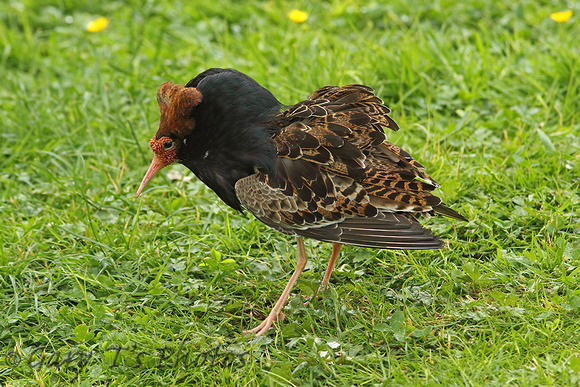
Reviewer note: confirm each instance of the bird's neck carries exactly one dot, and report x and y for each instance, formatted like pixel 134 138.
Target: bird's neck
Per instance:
pixel 232 140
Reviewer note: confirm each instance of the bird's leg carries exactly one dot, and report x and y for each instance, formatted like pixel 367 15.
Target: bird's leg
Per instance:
pixel 277 309
pixel 335 251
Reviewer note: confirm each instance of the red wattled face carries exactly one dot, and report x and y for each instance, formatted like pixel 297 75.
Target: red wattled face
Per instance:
pixel 164 148
pixel 165 153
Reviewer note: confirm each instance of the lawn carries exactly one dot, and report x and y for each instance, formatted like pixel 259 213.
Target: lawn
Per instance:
pixel 100 288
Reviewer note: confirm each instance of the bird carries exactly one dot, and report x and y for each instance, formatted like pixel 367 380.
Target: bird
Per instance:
pixel 319 169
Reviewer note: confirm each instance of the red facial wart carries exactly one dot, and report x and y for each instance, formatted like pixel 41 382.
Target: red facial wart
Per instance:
pixel 165 153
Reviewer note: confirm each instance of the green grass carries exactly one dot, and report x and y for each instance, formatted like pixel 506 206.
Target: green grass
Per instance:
pixel 97 288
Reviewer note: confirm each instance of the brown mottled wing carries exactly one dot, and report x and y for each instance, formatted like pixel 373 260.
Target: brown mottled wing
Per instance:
pixel 291 215
pixel 338 181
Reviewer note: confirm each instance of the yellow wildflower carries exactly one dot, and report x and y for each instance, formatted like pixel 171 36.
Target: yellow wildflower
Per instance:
pixel 561 17
pixel 298 16
pixel 98 24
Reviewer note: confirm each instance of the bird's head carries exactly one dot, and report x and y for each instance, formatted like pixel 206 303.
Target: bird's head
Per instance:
pixel 176 103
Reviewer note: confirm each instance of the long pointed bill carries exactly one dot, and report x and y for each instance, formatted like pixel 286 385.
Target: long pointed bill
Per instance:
pixel 156 165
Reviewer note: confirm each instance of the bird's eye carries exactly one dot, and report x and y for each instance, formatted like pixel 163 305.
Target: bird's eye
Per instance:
pixel 167 145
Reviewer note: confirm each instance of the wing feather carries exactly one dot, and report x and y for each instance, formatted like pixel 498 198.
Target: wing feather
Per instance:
pixel 338 180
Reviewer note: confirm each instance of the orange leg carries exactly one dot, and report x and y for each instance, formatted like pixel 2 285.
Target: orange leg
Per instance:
pixel 276 312
pixel 335 251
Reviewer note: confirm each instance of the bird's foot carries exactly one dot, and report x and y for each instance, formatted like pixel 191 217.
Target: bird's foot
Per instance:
pixel 267 323
pixel 279 316
pixel 323 286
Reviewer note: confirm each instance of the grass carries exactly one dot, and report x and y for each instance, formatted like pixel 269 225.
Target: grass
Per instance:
pixel 97 288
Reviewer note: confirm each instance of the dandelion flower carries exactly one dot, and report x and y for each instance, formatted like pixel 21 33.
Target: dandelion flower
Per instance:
pixel 561 17
pixel 98 24
pixel 298 16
